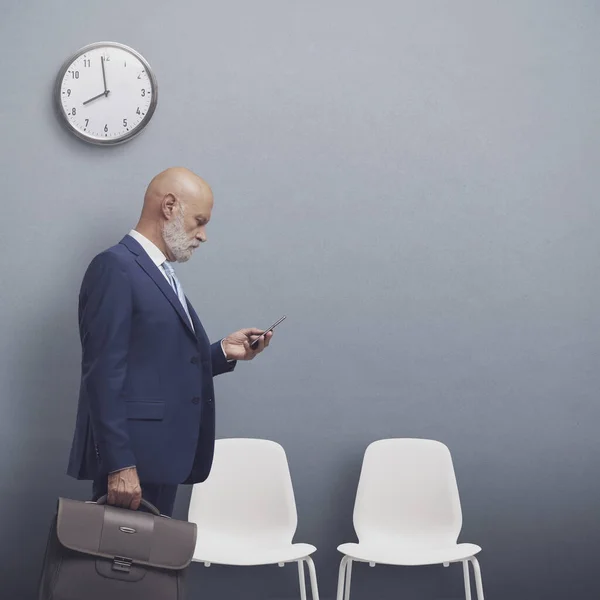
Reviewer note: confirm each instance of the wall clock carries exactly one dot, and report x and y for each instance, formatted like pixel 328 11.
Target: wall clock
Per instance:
pixel 106 93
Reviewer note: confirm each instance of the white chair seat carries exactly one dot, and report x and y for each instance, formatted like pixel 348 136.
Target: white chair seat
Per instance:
pixel 408 554
pixel 243 553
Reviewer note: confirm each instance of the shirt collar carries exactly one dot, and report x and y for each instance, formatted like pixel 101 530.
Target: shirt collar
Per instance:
pixel 155 254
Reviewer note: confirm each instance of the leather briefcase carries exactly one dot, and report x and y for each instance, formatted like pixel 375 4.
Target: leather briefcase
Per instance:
pixel 101 552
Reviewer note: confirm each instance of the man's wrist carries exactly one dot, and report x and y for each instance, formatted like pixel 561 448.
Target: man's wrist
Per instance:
pixel 225 353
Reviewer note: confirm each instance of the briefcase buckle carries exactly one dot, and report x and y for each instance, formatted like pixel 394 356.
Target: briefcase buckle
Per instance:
pixel 120 563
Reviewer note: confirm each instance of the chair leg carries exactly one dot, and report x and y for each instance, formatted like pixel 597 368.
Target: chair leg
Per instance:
pixel 478 581
pixel 314 588
pixel 467 579
pixel 342 578
pixel 348 579
pixel 302 579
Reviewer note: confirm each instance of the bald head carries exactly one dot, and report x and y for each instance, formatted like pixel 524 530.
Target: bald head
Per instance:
pixel 179 182
pixel 177 207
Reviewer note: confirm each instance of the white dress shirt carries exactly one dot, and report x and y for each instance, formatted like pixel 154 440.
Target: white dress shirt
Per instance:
pixel 152 250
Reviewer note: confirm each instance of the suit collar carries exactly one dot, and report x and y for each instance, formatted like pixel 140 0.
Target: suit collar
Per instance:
pixel 132 245
pixel 152 250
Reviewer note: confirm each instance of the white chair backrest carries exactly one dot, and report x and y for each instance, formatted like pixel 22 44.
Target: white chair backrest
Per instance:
pixel 248 494
pixel 407 491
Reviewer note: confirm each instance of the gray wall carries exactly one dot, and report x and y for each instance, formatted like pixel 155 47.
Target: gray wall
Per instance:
pixel 414 184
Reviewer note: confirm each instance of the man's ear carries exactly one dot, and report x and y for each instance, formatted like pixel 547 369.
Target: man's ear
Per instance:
pixel 168 206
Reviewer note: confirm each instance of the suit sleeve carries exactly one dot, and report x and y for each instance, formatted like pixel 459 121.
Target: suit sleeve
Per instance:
pixel 220 364
pixel 105 326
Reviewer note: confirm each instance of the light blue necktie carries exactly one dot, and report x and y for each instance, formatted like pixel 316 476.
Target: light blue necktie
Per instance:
pixel 170 273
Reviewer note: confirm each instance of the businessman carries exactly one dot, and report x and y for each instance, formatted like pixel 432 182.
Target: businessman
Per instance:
pixel 146 414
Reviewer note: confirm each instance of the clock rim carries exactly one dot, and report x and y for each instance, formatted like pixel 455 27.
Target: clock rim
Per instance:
pixel 130 134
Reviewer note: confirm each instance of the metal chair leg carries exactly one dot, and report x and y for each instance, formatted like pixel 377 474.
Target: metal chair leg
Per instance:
pixel 467 579
pixel 342 578
pixel 314 588
pixel 478 581
pixel 348 579
pixel 302 579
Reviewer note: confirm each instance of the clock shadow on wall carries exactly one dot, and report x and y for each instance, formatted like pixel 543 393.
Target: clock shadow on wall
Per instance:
pixel 106 93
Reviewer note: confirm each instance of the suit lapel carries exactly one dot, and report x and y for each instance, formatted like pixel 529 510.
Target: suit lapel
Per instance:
pixel 200 333
pixel 159 279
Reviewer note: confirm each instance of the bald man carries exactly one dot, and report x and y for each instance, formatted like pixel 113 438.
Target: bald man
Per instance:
pixel 146 413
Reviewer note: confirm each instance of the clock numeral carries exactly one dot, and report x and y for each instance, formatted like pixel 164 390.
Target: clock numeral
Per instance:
pixel 69 93
pixel 138 112
pixel 87 122
pixel 143 93
pixel 140 75
pixel 74 111
pixel 125 63
pixel 87 62
pixel 74 74
pixel 107 58
pixel 124 122
pixel 106 128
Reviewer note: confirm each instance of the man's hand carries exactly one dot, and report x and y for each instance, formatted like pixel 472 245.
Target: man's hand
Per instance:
pixel 124 489
pixel 237 345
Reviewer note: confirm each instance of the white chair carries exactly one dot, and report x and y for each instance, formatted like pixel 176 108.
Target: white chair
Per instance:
pixel 246 512
pixel 407 512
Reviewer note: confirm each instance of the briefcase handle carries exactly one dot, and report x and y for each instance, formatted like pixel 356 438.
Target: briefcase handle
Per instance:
pixel 145 503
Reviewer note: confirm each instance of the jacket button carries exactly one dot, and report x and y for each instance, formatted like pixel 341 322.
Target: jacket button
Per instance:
pixel 194 360
pixel 196 400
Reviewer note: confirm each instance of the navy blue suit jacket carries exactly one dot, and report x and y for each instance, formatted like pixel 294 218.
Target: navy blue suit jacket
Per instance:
pixel 147 396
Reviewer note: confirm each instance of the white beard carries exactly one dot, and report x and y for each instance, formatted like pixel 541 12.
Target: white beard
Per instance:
pixel 177 240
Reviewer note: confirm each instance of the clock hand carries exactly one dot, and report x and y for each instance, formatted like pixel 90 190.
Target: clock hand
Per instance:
pixel 106 93
pixel 104 76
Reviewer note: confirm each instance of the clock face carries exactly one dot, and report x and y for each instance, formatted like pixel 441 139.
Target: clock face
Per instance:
pixel 106 93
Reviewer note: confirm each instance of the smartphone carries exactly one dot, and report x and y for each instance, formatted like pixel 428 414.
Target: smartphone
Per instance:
pixel 255 342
